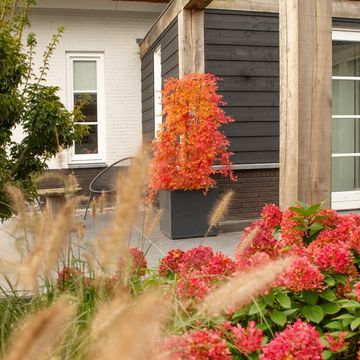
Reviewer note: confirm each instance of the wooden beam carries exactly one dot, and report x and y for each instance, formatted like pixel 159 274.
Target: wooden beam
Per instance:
pixel 197 4
pixel 191 42
pixel 305 105
pixel 246 5
pixel 340 8
pixel 165 19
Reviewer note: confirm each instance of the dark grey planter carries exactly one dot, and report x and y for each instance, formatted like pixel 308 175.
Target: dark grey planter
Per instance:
pixel 185 214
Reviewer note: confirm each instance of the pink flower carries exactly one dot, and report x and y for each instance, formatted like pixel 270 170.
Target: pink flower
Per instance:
pixel 253 261
pixel 197 345
pixel 298 341
pixel 302 275
pixel 195 259
pixel 330 217
pixel 219 265
pixel 247 340
pixel 355 240
pixel 170 263
pixel 334 257
pixel 338 344
pixel 193 287
pixel 139 263
pixel 271 216
pixel 357 290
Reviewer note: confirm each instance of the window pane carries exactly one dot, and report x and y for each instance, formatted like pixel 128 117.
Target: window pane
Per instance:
pixel 90 108
pixel 89 144
pixel 346 136
pixel 85 75
pixel 346 97
pixel 345 173
pixel 346 58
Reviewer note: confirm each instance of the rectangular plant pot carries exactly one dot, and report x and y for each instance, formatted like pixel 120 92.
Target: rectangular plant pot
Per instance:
pixel 185 214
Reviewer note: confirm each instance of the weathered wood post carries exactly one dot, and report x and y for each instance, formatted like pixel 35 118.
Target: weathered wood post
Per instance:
pixel 305 105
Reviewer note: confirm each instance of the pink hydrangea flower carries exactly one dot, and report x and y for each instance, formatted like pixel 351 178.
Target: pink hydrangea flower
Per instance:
pixel 170 263
pixel 302 275
pixel 139 263
pixel 357 290
pixel 334 257
pixel 288 234
pixel 197 345
pixel 219 265
pixel 298 341
pixel 193 287
pixel 247 340
pixel 195 259
pixel 337 344
pixel 271 216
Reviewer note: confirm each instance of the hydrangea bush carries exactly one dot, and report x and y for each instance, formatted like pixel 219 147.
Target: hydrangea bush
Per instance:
pixel 311 312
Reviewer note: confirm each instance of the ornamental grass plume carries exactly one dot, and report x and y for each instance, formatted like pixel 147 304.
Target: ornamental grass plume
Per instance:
pixel 50 236
pixel 247 241
pixel 242 289
pixel 131 329
pixel 220 210
pixel 112 246
pixel 39 335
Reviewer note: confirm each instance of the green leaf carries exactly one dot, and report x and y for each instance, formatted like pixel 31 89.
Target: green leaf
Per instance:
pixel 314 208
pixel 256 308
pixel 331 308
pixel 269 299
pixel 316 226
pixel 345 316
pixel 299 211
pixel 290 312
pixel 328 295
pixel 327 354
pixel 336 325
pixel 355 324
pixel 278 317
pixel 313 313
pixel 283 300
pixel 351 304
pixel 310 297
pixel 340 278
pixel 330 281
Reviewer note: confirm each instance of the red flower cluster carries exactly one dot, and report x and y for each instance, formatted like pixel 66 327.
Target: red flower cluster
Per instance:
pixel 337 344
pixel 302 275
pixel 357 290
pixel 298 341
pixel 199 345
pixel 139 263
pixel 169 264
pixel 198 270
pixel 247 340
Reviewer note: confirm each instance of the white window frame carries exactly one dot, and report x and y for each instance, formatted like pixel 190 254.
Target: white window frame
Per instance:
pixel 158 119
pixel 75 159
pixel 345 200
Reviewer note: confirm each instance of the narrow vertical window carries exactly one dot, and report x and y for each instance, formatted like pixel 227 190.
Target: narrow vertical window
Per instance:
pixel 157 89
pixel 86 80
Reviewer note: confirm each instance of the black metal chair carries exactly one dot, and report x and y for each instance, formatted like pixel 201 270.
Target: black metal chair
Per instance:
pixel 105 181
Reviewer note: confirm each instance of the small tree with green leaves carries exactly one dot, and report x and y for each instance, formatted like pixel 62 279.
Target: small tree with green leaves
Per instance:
pixel 26 101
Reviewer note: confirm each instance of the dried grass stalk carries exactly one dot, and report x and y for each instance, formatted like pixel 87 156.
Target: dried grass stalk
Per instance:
pixel 17 201
pixel 50 236
pixel 242 289
pixel 130 332
pixel 151 220
pixel 220 209
pixel 247 240
pixel 35 339
pixel 102 202
pixel 128 200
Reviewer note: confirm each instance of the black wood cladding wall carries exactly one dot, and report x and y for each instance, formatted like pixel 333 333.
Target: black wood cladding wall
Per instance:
pixel 169 68
pixel 243 49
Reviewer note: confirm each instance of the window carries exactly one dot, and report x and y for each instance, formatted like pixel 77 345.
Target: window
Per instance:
pixel 86 78
pixel 157 89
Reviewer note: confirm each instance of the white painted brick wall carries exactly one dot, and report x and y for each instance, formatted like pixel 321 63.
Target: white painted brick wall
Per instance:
pixel 115 34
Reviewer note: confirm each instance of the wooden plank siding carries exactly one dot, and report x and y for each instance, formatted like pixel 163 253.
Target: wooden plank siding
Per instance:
pixel 169 68
pixel 243 49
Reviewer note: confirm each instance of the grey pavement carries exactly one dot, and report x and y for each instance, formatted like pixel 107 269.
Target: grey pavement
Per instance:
pixel 157 245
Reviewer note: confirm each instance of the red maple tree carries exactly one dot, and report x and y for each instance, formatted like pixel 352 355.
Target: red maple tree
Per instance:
pixel 190 142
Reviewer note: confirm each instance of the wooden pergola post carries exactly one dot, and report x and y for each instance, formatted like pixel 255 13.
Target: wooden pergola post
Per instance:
pixel 305 105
